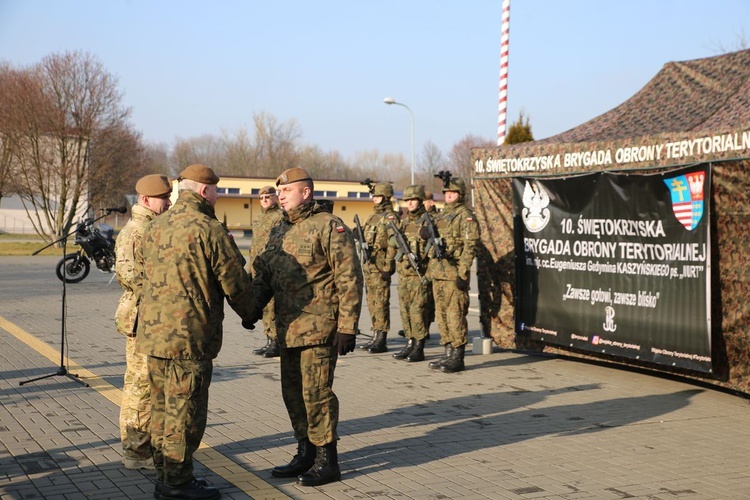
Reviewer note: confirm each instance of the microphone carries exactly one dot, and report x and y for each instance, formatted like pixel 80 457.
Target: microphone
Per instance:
pixel 122 210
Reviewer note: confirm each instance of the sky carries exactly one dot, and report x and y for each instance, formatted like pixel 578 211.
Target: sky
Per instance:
pixel 188 68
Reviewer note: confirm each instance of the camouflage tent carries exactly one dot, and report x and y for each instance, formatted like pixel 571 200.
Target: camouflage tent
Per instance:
pixel 691 112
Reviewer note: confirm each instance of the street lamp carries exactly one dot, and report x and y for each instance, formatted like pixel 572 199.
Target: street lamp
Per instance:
pixel 391 100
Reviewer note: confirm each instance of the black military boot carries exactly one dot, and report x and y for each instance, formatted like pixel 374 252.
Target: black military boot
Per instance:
pixel 192 490
pixel 301 462
pixel 401 333
pixel 160 485
pixel 367 344
pixel 416 354
pixel 273 349
pixel 435 365
pixel 406 350
pixel 456 361
pixel 325 469
pixel 262 350
pixel 378 345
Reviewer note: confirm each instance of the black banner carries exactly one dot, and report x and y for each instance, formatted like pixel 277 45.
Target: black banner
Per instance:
pixel 617 264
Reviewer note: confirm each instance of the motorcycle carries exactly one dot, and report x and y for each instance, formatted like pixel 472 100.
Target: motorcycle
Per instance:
pixel 95 245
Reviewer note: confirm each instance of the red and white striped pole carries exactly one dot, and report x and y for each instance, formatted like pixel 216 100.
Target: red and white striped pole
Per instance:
pixel 503 103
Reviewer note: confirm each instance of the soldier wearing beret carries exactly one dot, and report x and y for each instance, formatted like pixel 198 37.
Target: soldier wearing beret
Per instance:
pixel 189 266
pixel 459 231
pixel 310 266
pixel 271 214
pixel 381 266
pixel 412 291
pixel 135 410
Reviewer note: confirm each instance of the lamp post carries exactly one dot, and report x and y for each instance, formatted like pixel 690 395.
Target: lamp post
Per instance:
pixel 391 100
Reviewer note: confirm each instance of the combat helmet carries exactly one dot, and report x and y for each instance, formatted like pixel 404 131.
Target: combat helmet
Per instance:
pixel 455 184
pixel 415 191
pixel 383 189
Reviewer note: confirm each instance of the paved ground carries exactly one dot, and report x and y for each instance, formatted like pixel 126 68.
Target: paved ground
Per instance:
pixel 511 426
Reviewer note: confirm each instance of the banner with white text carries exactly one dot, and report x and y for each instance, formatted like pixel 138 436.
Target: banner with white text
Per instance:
pixel 617 264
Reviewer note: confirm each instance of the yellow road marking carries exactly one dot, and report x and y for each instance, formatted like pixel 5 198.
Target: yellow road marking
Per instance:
pixel 219 464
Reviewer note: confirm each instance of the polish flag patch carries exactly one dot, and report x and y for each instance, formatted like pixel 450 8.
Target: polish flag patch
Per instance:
pixel 340 229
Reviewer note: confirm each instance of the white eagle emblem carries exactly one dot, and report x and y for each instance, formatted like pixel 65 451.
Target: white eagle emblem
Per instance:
pixel 535 214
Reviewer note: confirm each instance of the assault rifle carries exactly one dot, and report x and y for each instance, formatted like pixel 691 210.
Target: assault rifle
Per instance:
pixel 370 184
pixel 445 176
pixel 433 238
pixel 364 248
pixel 403 249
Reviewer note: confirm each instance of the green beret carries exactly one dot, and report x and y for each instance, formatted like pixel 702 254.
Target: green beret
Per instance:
pixel 267 190
pixel 200 173
pixel 291 175
pixel 154 185
pixel 428 195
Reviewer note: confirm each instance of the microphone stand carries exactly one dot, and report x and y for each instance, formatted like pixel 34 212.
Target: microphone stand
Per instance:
pixel 62 370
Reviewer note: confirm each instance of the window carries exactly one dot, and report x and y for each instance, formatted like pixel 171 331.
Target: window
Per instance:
pixel 319 194
pixel 352 194
pixel 255 191
pixel 228 190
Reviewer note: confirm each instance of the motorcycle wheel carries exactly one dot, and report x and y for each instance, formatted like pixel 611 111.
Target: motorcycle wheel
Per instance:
pixel 77 267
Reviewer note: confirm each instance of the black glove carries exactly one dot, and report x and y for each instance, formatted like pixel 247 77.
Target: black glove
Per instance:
pixel 344 343
pixel 248 325
pixel 462 284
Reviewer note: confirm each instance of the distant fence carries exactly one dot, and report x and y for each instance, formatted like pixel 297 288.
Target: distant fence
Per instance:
pixel 15 225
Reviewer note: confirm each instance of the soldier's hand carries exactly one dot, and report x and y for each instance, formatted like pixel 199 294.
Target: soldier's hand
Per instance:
pixel 462 284
pixel 344 343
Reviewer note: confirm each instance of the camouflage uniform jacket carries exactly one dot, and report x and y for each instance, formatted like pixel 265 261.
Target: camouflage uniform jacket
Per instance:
pixel 311 258
pixel 262 230
pixel 127 241
pixel 189 263
pixel 410 227
pixel 376 234
pixel 459 230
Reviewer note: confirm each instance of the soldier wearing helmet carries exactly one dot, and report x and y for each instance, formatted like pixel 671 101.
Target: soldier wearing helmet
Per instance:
pixel 459 232
pixel 381 266
pixel 412 291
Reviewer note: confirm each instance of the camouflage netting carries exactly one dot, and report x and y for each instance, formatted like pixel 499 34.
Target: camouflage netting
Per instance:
pixel 690 112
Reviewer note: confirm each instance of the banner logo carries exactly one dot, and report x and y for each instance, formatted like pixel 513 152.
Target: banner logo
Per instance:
pixel 609 319
pixel 535 214
pixel 687 198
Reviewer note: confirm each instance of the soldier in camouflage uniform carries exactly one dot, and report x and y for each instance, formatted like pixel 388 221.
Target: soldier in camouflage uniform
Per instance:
pixel 135 409
pixel 412 292
pixel 381 266
pixel 271 214
pixel 431 209
pixel 189 264
pixel 311 263
pixel 458 228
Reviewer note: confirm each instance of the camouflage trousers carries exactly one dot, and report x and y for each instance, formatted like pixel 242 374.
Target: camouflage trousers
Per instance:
pixel 307 390
pixel 452 306
pixel 179 410
pixel 378 289
pixel 269 320
pixel 135 408
pixel 412 301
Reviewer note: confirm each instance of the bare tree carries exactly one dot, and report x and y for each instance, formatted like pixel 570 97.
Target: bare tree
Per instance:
pixel 239 151
pixel 430 162
pixel 276 145
pixel 207 149
pixel 118 160
pixel 54 111
pixel 459 158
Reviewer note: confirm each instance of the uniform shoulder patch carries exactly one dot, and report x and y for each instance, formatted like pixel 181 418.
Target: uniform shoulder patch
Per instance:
pixel 339 229
pixel 470 218
pixel 391 217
